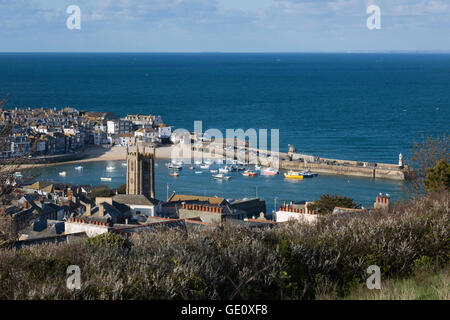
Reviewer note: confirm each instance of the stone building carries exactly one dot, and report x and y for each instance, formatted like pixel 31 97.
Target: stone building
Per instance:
pixel 141 173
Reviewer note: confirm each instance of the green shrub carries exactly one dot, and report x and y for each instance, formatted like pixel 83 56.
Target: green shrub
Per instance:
pixel 327 203
pixel 110 239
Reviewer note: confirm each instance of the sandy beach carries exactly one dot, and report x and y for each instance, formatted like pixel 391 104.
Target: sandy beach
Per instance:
pixel 115 153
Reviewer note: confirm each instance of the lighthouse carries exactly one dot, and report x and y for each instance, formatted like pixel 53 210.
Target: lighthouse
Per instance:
pixel 400 160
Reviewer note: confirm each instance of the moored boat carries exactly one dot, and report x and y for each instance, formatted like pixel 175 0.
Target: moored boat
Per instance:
pixel 17 174
pixel 225 170
pixel 174 174
pixel 249 173
pixel 308 174
pixel 293 175
pixel 175 166
pixel 221 176
pixel 63 173
pixel 105 179
pixel 270 172
pixel 78 168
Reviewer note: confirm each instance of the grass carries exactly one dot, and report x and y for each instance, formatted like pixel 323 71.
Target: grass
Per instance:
pixel 422 286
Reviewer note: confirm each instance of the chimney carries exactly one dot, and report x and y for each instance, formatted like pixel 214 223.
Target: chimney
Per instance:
pixel 70 194
pixel 88 208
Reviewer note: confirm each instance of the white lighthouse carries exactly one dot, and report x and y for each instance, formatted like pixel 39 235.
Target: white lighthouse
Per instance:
pixel 400 160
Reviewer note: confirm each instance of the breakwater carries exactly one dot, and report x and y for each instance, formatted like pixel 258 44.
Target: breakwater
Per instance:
pixel 298 162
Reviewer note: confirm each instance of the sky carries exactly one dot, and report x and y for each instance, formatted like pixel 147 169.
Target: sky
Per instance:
pixel 224 26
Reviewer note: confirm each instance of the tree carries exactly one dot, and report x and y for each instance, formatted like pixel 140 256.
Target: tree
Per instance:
pixel 424 156
pixel 438 178
pixel 9 167
pixel 327 203
pixel 102 191
pixel 122 189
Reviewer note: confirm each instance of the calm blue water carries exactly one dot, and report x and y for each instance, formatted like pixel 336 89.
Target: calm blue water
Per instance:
pixel 365 107
pixel 363 190
pixel 353 106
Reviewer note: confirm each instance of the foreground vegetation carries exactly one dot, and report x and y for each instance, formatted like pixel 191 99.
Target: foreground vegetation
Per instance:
pixel 293 261
pixel 425 284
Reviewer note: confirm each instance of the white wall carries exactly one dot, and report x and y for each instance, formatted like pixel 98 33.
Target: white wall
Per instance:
pixel 283 216
pixel 91 230
pixel 149 211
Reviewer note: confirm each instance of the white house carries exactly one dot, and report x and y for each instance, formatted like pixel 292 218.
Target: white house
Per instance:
pixel 139 204
pixel 288 213
pixel 165 132
pixel 127 139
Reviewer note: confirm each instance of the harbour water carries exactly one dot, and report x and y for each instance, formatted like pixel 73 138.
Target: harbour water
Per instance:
pixel 270 188
pixel 364 107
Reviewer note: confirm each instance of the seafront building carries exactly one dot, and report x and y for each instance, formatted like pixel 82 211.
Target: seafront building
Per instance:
pixel 46 132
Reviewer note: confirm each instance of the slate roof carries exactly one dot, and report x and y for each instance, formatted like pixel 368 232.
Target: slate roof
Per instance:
pixel 212 200
pixel 135 199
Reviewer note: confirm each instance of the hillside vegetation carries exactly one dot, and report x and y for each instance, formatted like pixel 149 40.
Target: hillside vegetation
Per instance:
pixel 292 261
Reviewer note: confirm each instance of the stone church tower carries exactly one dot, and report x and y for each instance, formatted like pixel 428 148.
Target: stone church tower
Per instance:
pixel 141 172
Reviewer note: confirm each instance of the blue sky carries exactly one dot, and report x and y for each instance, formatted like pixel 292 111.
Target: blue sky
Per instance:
pixel 224 25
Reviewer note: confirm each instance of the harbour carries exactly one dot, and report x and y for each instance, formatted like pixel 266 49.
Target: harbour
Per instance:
pixel 240 150
pixel 273 189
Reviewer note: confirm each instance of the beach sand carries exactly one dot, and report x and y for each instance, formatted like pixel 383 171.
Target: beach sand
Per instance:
pixel 115 153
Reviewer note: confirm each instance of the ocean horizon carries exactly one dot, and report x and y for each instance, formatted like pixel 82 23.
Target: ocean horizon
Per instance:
pixel 367 107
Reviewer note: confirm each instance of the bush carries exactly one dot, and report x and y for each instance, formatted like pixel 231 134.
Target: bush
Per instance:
pixel 290 261
pixel 438 178
pixel 122 189
pixel 327 203
pixel 103 191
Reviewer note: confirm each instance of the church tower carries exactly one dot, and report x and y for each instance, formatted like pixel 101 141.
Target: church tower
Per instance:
pixel 141 172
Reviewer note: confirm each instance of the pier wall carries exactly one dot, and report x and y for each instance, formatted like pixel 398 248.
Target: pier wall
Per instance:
pixel 340 167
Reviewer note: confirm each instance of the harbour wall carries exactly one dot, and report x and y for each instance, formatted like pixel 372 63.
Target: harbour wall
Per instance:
pixel 303 162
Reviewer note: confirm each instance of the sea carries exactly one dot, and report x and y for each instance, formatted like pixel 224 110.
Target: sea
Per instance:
pixel 365 107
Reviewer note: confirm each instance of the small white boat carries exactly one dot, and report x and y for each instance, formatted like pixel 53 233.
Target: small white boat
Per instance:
pixel 105 179
pixel 78 168
pixel 110 168
pixel 257 167
pixel 270 172
pixel 198 162
pixel 175 166
pixel 198 172
pixel 177 162
pixel 63 173
pixel 174 174
pixel 204 166
pixel 17 174
pixel 214 171
pixel 124 164
pixel 221 176
pixel 225 170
